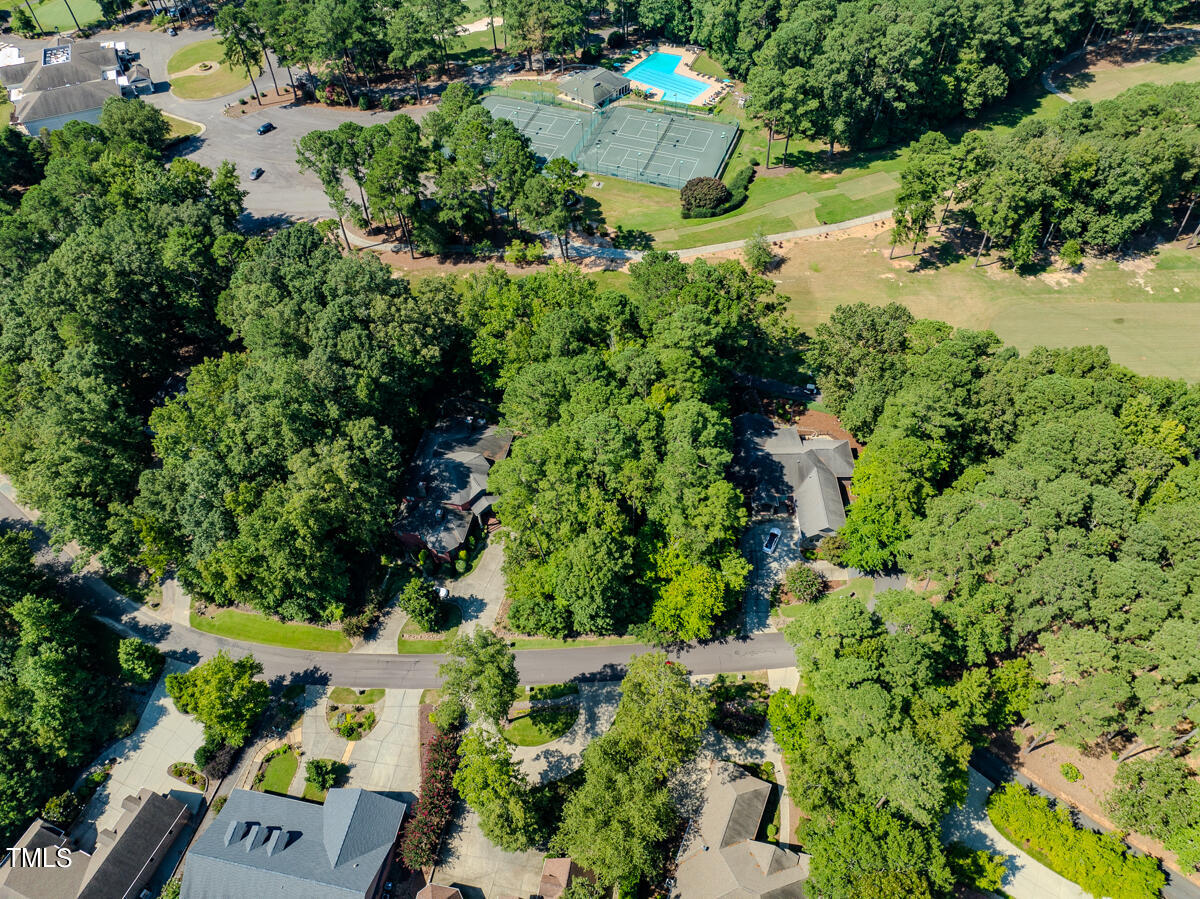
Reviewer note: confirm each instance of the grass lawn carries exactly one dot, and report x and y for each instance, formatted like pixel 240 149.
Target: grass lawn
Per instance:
pixel 706 65
pixel 862 587
pixel 261 629
pixel 312 794
pixel 1146 314
pixel 181 128
pixel 408 644
pixel 538 726
pixel 220 81
pixel 53 15
pixel 475 47
pixel 1178 64
pixel 279 773
pixel 347 696
pixel 553 643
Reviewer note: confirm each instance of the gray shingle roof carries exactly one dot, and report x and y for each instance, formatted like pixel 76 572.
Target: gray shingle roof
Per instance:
pixel 594 87
pixel 265 845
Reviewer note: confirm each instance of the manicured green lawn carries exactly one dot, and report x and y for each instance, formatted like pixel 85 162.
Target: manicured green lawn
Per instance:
pixel 220 81
pixel 261 629
pixel 552 643
pixel 312 794
pixel 347 696
pixel 554 691
pixel 862 587
pixel 181 127
pixel 539 726
pixel 1179 64
pixel 1145 315
pixel 53 15
pixel 279 773
pixel 706 65
pixel 451 619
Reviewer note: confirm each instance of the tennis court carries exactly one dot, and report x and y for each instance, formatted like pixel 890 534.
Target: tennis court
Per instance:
pixel 552 130
pixel 655 147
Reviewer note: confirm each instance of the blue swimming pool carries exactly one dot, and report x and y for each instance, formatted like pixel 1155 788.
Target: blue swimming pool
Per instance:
pixel 658 70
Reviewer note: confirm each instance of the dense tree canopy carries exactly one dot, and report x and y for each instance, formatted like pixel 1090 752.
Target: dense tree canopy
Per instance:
pixel 279 459
pixel 1053 500
pixel 109 271
pixel 616 497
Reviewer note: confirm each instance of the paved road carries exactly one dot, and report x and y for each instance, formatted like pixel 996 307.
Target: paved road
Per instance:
pixel 542 666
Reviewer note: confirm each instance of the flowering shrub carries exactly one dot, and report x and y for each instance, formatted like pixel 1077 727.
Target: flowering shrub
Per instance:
pixel 423 832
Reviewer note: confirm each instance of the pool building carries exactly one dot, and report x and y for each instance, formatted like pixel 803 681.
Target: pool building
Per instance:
pixel 594 87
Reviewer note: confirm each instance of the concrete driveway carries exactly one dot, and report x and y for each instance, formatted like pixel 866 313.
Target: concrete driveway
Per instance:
pixel 388 759
pixel 164 735
pixel 768 569
pixel 1027 878
pixel 479 869
pixel 480 593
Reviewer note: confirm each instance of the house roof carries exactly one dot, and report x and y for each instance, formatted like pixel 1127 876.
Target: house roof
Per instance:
pixel 43 883
pixel 127 856
pixel 557 874
pixel 720 859
pixel 65 101
pixel 265 845
pixel 437 891
pixel 593 86
pixel 776 463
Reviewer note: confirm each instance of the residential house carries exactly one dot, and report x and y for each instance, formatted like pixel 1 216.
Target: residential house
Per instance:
pixel 123 862
pixel 446 497
pixel 437 891
pixel 267 845
pixel 557 875
pixel 786 474
pixel 720 857
pixel 594 88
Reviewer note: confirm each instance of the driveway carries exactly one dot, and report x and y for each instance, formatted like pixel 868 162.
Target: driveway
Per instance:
pixel 1027 878
pixel 388 759
pixel 558 758
pixel 480 593
pixel 164 735
pixel 768 570
pixel 480 869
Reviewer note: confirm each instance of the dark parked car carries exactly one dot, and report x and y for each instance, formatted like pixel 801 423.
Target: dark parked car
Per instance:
pixel 255 174
pixel 266 128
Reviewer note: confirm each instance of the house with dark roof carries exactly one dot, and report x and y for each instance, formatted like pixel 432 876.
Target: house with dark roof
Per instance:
pixel 446 497
pixel 123 862
pixel 265 845
pixel 720 857
pixel 68 81
pixel 787 474
pixel 594 87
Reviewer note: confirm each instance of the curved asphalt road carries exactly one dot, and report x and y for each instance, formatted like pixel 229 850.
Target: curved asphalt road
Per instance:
pixel 537 666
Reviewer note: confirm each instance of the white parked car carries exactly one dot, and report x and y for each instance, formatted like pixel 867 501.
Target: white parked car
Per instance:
pixel 772 541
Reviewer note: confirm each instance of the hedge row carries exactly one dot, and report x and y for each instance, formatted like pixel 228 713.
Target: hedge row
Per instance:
pixel 423 833
pixel 1100 863
pixel 739 182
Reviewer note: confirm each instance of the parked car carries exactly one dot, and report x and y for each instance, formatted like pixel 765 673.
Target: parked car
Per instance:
pixel 477 69
pixel 171 31
pixel 772 541
pixel 255 174
pixel 266 128
pixel 514 67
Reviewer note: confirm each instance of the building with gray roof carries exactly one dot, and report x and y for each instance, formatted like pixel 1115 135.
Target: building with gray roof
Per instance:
pixel 594 87
pixel 720 857
pixel 447 489
pixel 265 845
pixel 66 81
pixel 121 865
pixel 785 473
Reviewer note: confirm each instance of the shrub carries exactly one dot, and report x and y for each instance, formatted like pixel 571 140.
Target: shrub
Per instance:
pixel 978 869
pixel 739 181
pixel 1099 863
pixel 241 101
pixel 386 103
pixel 140 662
pixel 321 774
pixel 1071 253
pixel 590 54
pixel 363 103
pixel 448 714
pixel 62 809
pixel 172 887
pixel 423 833
pixel 757 253
pixel 803 582
pixel 704 193
pixel 1069 772
pixel 218 804
pixel 772 832
pixel 221 762
pixel 419 600
pixel 616 40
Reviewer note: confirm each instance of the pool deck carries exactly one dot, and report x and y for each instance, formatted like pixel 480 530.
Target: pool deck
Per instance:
pixel 715 86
